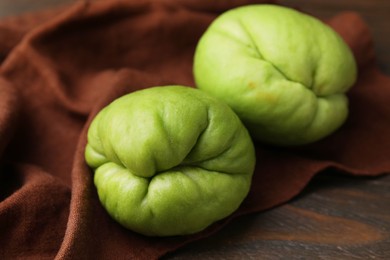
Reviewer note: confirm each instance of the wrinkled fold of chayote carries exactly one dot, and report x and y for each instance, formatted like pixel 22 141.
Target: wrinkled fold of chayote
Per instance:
pixel 169 160
pixel 283 72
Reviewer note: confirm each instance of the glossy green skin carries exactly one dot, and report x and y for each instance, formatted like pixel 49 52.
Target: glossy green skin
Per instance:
pixel 169 160
pixel 283 72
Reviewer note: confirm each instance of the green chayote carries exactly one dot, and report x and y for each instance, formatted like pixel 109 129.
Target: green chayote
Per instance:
pixel 283 72
pixel 169 160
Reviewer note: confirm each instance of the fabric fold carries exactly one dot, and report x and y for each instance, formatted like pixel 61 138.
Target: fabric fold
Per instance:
pixel 9 109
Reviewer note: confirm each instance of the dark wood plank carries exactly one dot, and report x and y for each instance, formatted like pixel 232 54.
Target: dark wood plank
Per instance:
pixel 336 217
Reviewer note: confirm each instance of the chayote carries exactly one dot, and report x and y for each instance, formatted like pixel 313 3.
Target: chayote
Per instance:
pixel 169 160
pixel 283 72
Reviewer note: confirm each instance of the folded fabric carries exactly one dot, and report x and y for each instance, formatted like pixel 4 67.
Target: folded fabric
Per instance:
pixel 60 67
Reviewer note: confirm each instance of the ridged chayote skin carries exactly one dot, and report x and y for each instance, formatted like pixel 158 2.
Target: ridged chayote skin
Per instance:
pixel 283 72
pixel 169 160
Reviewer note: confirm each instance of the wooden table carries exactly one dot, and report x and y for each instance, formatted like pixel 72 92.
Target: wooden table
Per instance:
pixel 336 216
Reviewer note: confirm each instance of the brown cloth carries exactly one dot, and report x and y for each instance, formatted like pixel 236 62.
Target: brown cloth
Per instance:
pixel 59 68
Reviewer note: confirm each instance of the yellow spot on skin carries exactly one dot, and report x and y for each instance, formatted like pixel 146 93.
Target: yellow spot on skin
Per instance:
pixel 251 85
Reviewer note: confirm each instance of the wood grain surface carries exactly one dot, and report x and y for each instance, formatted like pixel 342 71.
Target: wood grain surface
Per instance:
pixel 336 216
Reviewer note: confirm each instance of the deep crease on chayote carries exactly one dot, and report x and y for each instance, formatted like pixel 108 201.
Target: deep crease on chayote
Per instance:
pixel 169 160
pixel 283 72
